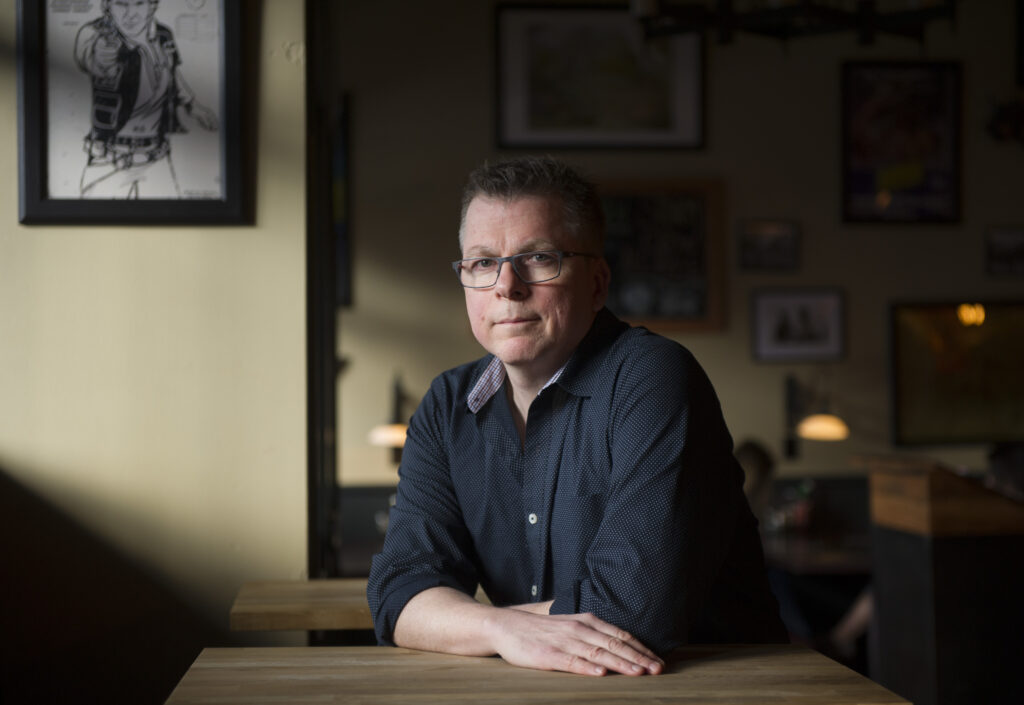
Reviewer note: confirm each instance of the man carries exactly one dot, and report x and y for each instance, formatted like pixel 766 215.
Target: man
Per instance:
pixel 581 472
pixel 137 89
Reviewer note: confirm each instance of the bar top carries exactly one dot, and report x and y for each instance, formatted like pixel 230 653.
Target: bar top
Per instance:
pixel 363 675
pixel 338 603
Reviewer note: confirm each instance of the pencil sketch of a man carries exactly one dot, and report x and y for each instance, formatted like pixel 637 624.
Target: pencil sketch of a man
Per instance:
pixel 137 91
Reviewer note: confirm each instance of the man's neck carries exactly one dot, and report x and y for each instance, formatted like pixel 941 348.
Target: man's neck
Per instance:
pixel 522 387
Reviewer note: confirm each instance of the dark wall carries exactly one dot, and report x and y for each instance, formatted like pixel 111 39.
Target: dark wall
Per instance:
pixel 80 623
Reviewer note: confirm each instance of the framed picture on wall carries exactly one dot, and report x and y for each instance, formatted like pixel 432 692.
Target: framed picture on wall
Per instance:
pixel 586 77
pixel 1020 41
pixel 1004 250
pixel 798 325
pixel 129 116
pixel 901 142
pixel 769 245
pixel 664 247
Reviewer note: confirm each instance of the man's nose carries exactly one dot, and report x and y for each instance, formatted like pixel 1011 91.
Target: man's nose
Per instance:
pixel 509 284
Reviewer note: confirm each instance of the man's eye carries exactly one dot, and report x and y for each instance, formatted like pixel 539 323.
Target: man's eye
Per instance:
pixel 540 258
pixel 481 265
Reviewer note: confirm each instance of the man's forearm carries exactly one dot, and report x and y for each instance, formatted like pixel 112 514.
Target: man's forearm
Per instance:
pixel 444 619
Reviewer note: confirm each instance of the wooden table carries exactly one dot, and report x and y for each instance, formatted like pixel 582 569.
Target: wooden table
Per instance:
pixel 328 603
pixel 363 675
pixel 337 603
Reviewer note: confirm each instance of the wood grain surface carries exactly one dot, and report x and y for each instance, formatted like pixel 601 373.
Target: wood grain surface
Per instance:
pixel 739 675
pixel 937 502
pixel 338 603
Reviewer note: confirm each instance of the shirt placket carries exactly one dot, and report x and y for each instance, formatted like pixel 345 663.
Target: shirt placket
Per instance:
pixel 534 511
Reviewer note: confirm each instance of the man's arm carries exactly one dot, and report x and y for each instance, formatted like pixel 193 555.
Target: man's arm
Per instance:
pixel 449 621
pixel 203 116
pixel 672 503
pixel 97 49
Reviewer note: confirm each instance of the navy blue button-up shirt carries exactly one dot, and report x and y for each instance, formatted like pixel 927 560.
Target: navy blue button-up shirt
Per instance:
pixel 624 499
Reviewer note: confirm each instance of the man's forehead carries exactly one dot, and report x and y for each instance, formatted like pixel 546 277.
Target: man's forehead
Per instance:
pixel 526 223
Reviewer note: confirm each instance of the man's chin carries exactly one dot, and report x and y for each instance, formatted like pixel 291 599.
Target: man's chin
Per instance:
pixel 515 352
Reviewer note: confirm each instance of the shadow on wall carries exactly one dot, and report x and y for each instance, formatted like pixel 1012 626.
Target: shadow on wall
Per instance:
pixel 79 622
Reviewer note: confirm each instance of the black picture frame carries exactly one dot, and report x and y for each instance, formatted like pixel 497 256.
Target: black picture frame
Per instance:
pixel 769 245
pixel 901 141
pixel 1019 41
pixel 665 247
pixel 954 371
pixel 798 325
pixel 220 195
pixel 1004 250
pixel 574 77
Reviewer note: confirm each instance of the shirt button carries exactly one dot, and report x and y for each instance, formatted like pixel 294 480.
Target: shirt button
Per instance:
pixel 533 590
pixel 532 518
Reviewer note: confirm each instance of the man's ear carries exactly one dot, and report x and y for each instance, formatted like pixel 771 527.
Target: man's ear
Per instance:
pixel 602 278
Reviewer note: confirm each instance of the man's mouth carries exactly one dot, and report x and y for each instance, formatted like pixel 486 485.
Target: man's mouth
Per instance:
pixel 517 320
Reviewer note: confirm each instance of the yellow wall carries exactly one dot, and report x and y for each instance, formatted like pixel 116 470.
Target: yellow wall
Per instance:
pixel 422 96
pixel 152 379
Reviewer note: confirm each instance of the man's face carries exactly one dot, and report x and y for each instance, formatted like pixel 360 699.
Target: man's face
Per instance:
pixel 533 326
pixel 132 17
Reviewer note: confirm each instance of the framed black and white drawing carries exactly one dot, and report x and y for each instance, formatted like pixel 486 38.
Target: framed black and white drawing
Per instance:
pixel 798 325
pixel 130 112
pixel 585 76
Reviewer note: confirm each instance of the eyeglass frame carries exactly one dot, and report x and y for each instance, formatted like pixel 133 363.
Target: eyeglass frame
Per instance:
pixel 562 254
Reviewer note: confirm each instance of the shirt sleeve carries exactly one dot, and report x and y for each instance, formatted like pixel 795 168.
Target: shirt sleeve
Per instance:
pixel 671 506
pixel 427 544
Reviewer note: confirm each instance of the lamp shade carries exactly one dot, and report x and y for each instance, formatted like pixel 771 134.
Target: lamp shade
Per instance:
pixel 388 435
pixel 823 427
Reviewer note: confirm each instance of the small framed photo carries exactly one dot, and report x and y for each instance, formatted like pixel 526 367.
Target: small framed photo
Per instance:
pixel 798 325
pixel 131 113
pixel 1004 250
pixel 767 245
pixel 901 142
pixel 664 248
pixel 586 77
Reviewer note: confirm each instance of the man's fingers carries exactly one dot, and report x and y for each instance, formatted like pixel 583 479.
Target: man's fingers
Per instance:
pixel 622 643
pixel 581 666
pixel 576 643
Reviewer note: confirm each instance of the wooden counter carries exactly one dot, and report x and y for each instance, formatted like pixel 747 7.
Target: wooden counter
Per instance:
pixel 933 501
pixel 363 675
pixel 947 583
pixel 328 603
pixel 338 603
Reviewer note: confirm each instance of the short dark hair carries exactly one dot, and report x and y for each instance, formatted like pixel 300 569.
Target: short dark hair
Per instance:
pixel 545 177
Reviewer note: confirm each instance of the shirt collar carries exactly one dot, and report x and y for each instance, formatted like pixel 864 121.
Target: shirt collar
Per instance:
pixel 491 380
pixel 584 372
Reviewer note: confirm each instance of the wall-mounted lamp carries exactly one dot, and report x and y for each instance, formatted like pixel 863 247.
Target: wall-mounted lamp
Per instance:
pixel 392 435
pixel 971 314
pixel 809 416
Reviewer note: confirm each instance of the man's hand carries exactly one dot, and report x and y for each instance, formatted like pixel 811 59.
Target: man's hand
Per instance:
pixel 577 643
pixel 204 117
pixel 442 619
pixel 105 54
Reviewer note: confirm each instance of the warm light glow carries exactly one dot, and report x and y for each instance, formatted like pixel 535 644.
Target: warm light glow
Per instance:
pixel 971 314
pixel 390 435
pixel 823 427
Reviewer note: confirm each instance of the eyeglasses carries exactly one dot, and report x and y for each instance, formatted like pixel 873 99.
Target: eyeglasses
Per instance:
pixel 531 267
